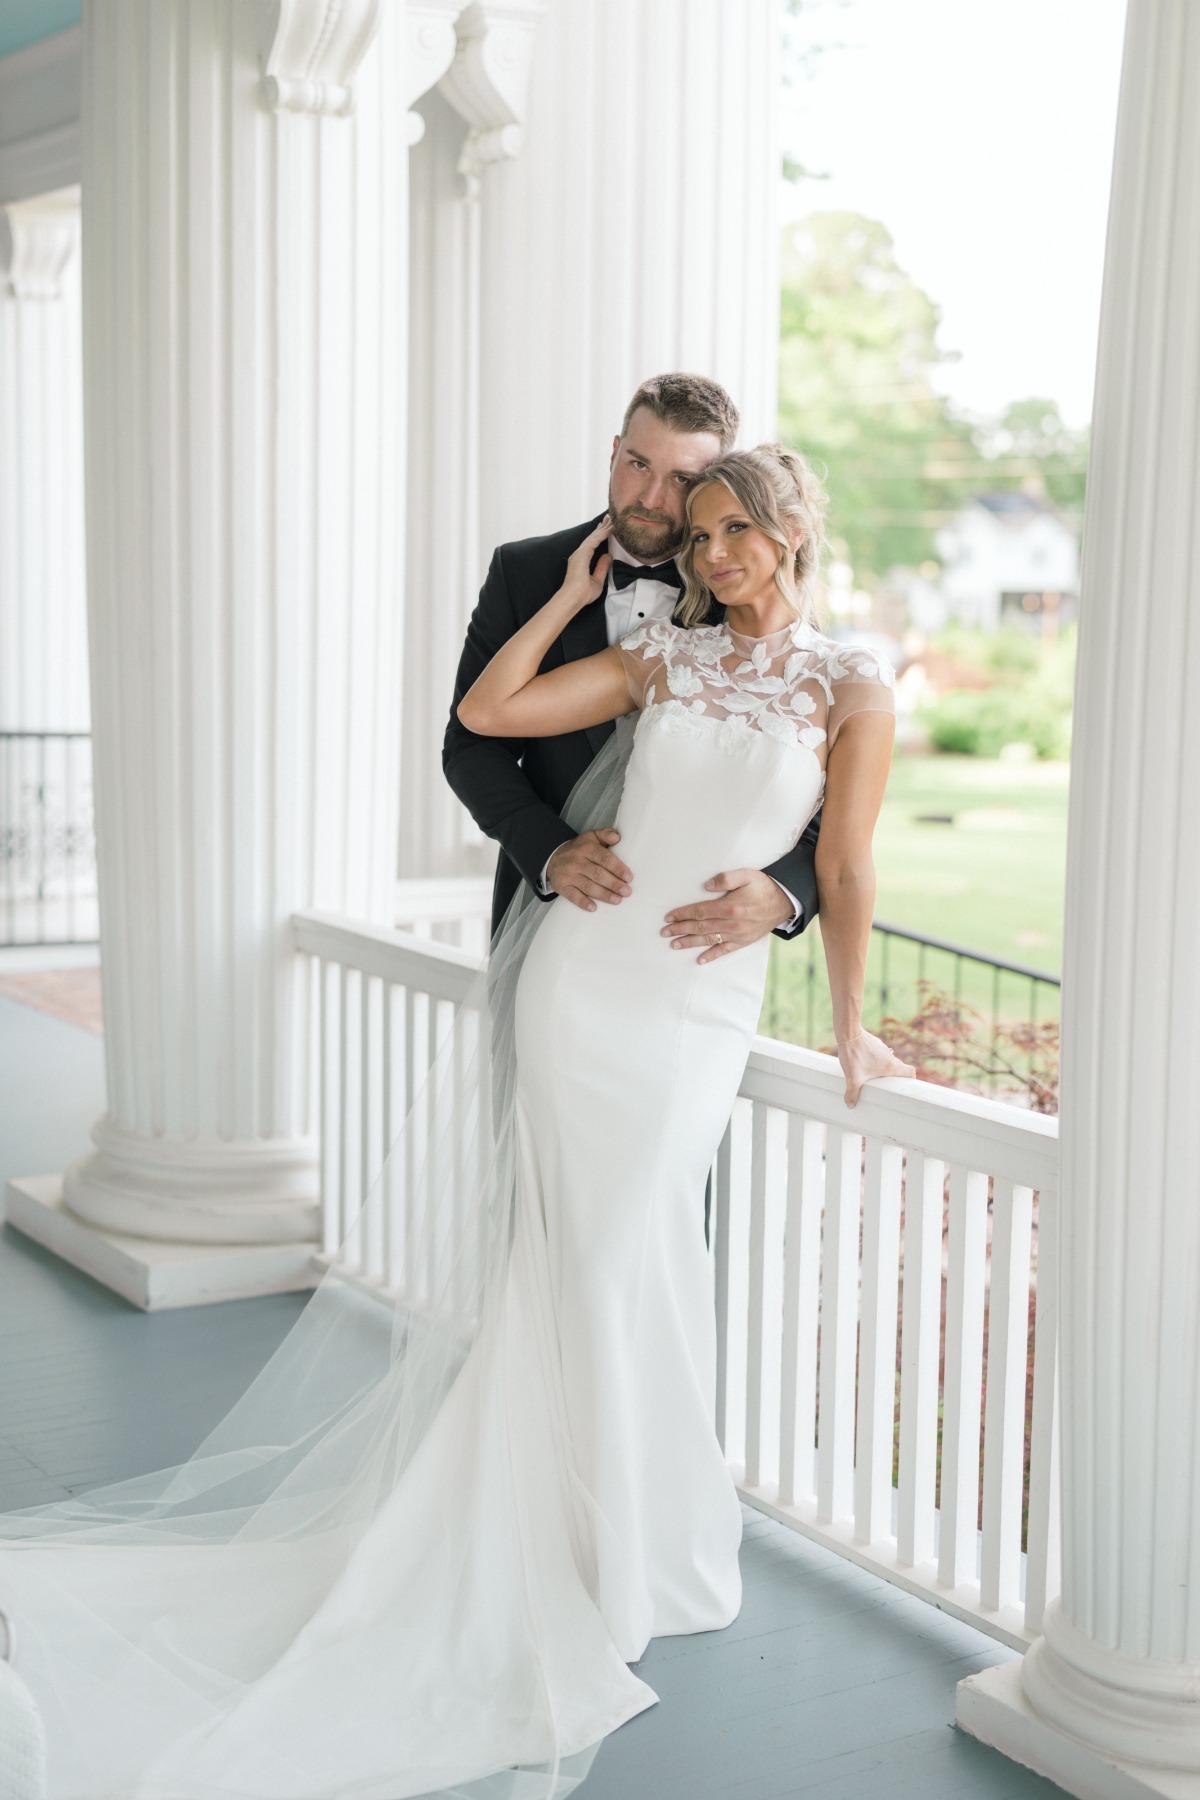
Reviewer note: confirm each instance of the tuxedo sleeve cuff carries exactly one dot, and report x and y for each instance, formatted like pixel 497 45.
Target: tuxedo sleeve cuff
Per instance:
pixel 792 925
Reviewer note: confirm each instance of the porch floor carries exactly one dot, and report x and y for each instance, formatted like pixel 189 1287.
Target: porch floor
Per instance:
pixel 831 1684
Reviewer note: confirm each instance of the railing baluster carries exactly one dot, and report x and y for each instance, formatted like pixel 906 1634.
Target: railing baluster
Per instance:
pixel 459 1148
pixel 738 1264
pixel 963 1380
pixel 69 831
pixel 801 1302
pixel 435 1161
pixel 413 1150
pixel 350 1104
pixel 371 1039
pixel 877 1342
pixel 835 1440
pixel 330 1029
pixel 392 1117
pixel 719 1228
pixel 1004 1421
pixel 924 1188
pixel 754 1335
pixel 41 842
pixel 1042 1561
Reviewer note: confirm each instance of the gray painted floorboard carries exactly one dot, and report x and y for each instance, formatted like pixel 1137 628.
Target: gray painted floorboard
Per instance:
pixel 830 1685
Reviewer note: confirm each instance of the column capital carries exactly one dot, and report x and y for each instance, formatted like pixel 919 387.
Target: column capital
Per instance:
pixel 37 241
pixel 311 53
pixel 488 81
pixel 432 41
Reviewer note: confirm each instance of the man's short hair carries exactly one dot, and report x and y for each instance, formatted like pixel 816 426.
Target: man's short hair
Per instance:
pixel 687 403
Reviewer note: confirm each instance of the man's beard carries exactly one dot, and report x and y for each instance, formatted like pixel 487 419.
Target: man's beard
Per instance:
pixel 650 536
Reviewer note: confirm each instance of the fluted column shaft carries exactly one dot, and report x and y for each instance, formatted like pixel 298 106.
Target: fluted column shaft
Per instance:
pixel 646 204
pixel 43 624
pixel 630 228
pixel 244 263
pixel 1117 1673
pixel 437 835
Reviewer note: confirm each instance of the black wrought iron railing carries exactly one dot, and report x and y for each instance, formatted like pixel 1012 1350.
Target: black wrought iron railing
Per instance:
pixel 47 841
pixel 904 969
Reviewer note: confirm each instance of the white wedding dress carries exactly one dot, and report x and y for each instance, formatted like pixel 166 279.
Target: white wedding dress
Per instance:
pixel 423 1549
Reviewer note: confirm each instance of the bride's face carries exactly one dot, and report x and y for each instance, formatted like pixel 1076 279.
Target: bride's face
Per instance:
pixel 732 556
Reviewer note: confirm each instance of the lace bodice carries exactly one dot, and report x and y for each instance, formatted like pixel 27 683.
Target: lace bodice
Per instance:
pixel 794 685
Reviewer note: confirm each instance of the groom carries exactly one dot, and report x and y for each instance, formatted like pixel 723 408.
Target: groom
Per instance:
pixel 674 426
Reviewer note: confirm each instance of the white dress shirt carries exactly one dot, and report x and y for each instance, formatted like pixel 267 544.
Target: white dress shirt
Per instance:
pixel 624 609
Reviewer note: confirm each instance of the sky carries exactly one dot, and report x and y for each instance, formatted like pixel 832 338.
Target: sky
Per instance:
pixel 981 133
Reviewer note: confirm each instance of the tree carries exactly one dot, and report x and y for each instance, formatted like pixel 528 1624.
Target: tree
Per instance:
pixel 857 354
pixel 1032 441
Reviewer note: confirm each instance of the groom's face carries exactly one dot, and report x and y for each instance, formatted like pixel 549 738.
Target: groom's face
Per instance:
pixel 650 474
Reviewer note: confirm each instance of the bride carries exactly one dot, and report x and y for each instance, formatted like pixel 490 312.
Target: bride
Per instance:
pixel 420 1553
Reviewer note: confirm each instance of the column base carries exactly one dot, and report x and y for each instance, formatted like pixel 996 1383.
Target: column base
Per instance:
pixel 153 1274
pixel 263 1191
pixel 993 1707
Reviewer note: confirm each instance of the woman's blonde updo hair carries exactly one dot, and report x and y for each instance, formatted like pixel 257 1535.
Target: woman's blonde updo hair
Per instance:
pixel 780 494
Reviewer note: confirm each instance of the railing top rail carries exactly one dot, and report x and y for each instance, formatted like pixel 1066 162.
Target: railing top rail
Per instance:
pixel 991 1135
pixel 979 956
pixel 57 736
pixel 943 1122
pixel 399 956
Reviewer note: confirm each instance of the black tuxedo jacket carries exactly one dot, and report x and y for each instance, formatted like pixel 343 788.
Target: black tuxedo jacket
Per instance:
pixel 515 788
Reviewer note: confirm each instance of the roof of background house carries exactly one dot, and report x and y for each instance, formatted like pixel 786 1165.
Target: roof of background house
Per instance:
pixel 1012 503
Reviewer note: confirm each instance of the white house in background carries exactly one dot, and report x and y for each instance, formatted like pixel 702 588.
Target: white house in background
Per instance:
pixel 1009 559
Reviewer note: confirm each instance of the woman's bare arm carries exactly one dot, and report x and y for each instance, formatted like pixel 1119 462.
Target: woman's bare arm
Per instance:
pixel 855 779
pixel 510 698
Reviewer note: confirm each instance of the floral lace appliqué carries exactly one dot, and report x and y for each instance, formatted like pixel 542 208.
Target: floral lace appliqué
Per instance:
pixel 781 686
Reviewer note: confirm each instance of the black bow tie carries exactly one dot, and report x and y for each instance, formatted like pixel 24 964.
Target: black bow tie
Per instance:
pixel 623 574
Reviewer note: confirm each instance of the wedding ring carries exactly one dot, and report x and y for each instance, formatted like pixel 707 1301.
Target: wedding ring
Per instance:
pixel 716 938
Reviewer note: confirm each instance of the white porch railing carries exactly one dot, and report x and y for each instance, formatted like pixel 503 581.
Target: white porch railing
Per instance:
pixel 447 910
pixel 847 1246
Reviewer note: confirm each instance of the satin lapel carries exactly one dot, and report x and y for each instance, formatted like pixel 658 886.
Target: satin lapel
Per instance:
pixel 587 635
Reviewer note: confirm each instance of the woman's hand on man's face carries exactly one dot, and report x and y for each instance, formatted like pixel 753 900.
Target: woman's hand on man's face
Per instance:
pixel 582 583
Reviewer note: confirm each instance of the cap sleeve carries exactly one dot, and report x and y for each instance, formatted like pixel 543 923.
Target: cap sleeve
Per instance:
pixel 859 681
pixel 645 652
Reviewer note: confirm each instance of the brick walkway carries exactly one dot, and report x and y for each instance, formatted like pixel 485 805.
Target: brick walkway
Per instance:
pixel 72 995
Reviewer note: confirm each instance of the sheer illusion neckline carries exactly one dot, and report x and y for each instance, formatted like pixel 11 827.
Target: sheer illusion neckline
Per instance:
pixel 795 631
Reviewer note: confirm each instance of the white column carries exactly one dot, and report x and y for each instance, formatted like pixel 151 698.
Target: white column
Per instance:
pixel 244 337
pixel 646 205
pixel 47 872
pixel 1109 1703
pixel 627 217
pixel 43 624
pixel 471 123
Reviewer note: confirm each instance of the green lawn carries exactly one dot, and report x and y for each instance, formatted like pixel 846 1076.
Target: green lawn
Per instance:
pixel 991 879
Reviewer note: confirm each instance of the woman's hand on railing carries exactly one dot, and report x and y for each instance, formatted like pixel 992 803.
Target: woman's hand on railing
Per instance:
pixel 864 1057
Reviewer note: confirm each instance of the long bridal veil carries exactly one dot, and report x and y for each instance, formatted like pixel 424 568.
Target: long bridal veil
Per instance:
pixel 224 1629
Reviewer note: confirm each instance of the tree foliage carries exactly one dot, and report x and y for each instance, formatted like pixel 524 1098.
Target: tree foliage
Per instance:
pixel 859 355
pixel 858 347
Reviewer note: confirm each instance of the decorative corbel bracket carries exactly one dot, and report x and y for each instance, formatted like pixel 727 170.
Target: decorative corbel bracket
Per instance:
pixel 488 81
pixel 37 240
pixel 311 53
pixel 431 45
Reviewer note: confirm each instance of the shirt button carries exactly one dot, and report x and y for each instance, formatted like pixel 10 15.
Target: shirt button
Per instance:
pixel 641 615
